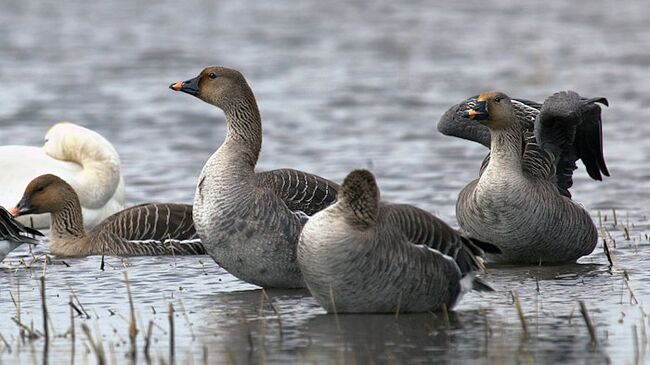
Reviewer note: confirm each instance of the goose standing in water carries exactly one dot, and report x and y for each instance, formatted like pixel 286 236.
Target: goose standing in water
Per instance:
pixel 520 201
pixel 142 230
pixel 362 255
pixel 249 222
pixel 83 158
pixel 14 234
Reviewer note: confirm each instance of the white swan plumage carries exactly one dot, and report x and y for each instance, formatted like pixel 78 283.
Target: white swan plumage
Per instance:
pixel 81 157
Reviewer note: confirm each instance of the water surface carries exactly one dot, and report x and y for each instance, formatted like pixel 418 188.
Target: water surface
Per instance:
pixel 341 85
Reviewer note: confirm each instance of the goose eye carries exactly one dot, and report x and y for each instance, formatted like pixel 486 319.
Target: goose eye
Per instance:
pixel 212 75
pixel 40 189
pixel 497 99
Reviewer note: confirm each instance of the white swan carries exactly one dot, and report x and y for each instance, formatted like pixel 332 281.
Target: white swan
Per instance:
pixel 83 158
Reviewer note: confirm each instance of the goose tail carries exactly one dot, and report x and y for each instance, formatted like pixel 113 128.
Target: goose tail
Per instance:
pixel 471 282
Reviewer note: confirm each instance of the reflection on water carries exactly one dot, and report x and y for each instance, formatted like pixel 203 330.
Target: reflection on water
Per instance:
pixel 341 85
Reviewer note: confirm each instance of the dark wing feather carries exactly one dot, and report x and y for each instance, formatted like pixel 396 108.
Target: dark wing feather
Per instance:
pixel 300 191
pixel 589 138
pixel 12 230
pixel 569 127
pixel 423 228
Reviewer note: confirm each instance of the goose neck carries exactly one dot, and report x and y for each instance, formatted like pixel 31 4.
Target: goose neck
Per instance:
pixel 67 223
pixel 244 129
pixel 506 147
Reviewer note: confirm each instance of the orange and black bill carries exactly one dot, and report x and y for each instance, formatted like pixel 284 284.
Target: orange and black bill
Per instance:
pixel 479 112
pixel 23 207
pixel 190 86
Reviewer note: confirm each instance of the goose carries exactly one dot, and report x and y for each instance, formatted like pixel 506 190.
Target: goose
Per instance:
pixel 519 202
pixel 83 158
pixel 587 145
pixel 142 230
pixel 362 255
pixel 248 221
pixel 14 234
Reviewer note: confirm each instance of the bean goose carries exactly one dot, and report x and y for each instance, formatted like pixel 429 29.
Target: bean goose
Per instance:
pixel 516 203
pixel 14 234
pixel 142 230
pixel 81 157
pixel 587 145
pixel 362 255
pixel 248 221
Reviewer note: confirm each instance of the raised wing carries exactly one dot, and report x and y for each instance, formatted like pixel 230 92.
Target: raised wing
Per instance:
pixel 570 128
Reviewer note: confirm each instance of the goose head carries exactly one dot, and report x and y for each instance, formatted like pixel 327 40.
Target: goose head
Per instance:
pixel 216 85
pixel 493 109
pixel 45 194
pixel 360 193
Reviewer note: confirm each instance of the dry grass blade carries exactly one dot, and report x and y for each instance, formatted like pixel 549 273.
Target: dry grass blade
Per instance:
pixel 520 312
pixel 133 330
pixel 172 351
pixel 99 351
pixel 590 325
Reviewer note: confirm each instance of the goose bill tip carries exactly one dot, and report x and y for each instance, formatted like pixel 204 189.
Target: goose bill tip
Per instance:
pixel 15 212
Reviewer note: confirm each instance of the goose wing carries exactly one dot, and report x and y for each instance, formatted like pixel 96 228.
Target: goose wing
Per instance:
pixel 423 228
pixel 303 193
pixel 150 229
pixel 570 128
pixel 12 230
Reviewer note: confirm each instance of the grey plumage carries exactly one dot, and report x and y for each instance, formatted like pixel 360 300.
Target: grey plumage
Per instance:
pixel 583 130
pixel 250 222
pixel 516 203
pixel 361 255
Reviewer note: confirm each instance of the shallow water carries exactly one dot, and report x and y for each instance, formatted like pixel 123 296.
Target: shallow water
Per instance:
pixel 341 85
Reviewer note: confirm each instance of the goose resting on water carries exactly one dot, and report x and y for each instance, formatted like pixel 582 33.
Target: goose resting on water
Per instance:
pixel 520 201
pixel 14 234
pixel 142 230
pixel 362 255
pixel 249 222
pixel 83 158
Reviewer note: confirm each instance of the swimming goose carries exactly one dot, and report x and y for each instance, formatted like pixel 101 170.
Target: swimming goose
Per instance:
pixel 83 158
pixel 14 234
pixel 586 146
pixel 142 230
pixel 362 255
pixel 516 203
pixel 248 221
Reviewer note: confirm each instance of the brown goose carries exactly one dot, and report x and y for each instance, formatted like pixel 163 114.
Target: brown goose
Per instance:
pixel 143 230
pixel 250 221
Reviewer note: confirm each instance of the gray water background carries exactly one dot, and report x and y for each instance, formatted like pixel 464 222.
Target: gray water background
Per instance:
pixel 341 85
